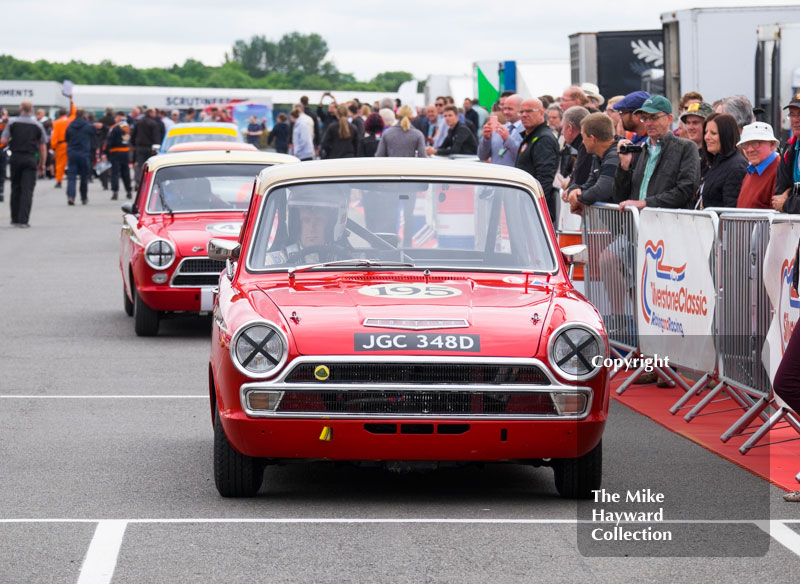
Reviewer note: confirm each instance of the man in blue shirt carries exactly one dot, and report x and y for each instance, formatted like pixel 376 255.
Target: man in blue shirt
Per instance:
pixel 500 143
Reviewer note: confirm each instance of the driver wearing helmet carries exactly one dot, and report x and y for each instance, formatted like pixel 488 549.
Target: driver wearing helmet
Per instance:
pixel 316 228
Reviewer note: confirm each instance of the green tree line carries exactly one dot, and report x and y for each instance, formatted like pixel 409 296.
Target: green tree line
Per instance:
pixel 296 61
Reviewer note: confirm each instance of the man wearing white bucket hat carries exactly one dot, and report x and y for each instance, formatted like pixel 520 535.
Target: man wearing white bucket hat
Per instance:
pixel 593 93
pixel 758 145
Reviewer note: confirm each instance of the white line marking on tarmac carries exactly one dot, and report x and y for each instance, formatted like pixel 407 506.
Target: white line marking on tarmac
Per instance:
pixel 783 534
pixel 107 540
pixel 101 558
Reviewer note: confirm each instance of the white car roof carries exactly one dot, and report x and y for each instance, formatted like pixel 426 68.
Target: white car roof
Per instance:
pixel 395 168
pixel 218 157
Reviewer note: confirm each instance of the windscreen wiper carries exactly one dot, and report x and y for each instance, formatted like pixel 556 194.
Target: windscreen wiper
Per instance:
pixel 355 262
pixel 163 200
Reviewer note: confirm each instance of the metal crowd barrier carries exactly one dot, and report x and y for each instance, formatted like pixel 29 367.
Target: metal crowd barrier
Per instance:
pixel 611 239
pixel 771 410
pixel 742 313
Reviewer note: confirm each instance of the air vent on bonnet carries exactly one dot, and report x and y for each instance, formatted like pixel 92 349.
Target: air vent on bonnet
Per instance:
pixel 369 276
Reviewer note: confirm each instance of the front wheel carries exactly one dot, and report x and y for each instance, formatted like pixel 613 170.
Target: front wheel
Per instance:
pixel 127 303
pixel 576 478
pixel 235 474
pixel 145 319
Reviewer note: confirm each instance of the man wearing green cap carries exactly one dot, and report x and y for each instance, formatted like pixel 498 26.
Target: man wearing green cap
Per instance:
pixel 668 171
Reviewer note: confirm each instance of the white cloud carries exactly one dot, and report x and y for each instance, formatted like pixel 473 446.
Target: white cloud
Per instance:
pixel 364 39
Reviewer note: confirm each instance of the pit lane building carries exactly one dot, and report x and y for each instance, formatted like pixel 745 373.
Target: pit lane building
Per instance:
pixel 48 95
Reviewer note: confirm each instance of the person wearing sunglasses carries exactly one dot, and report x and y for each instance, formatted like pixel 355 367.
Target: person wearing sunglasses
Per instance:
pixel 538 150
pixel 668 171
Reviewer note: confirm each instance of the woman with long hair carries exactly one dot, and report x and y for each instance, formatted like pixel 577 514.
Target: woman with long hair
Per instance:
pixel 402 139
pixel 726 165
pixel 341 139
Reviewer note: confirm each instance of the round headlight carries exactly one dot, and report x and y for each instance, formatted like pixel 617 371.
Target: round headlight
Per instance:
pixel 258 349
pixel 159 254
pixel 574 350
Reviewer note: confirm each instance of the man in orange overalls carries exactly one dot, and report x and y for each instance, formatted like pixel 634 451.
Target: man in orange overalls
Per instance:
pixel 58 140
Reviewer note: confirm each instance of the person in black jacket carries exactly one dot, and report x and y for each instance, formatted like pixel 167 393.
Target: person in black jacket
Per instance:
pixel 470 114
pixel 787 184
pixel 373 128
pixel 341 139
pixel 117 151
pixel 597 131
pixel 27 142
pixel 538 151
pixel 727 168
pixel 575 163
pixel 80 135
pixel 459 140
pixel 107 122
pixel 280 134
pixel 146 132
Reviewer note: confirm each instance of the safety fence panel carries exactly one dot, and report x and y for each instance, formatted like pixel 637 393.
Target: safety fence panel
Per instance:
pixel 778 267
pixel 676 287
pixel 611 238
pixel 743 315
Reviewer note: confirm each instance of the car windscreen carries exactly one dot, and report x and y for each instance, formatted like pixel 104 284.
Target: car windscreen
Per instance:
pixel 202 187
pixel 424 224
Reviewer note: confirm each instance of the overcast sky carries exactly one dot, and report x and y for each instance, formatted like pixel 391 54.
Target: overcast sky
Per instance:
pixel 364 38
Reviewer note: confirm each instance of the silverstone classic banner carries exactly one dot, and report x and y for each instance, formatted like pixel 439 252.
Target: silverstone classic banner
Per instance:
pixel 778 267
pixel 675 293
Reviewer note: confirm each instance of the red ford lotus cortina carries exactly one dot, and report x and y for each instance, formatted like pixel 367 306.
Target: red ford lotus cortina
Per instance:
pixel 183 201
pixel 403 312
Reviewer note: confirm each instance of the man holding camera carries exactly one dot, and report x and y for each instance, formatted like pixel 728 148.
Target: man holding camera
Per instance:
pixel 668 171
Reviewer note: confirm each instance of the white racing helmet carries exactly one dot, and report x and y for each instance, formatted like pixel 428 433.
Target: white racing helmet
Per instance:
pixel 331 198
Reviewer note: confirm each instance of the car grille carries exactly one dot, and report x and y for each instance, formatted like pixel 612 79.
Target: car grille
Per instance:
pixel 197 272
pixel 422 373
pixel 429 403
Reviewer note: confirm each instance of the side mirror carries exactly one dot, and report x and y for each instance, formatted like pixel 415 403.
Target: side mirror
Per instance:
pixel 575 255
pixel 156 148
pixel 129 208
pixel 223 249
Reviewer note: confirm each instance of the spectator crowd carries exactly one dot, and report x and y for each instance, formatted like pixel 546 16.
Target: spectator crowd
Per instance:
pixel 630 149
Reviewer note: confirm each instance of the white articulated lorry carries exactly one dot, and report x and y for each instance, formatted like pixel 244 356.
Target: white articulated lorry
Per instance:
pixel 777 72
pixel 712 50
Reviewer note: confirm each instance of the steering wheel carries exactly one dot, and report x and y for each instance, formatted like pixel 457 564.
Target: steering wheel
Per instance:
pixel 367 235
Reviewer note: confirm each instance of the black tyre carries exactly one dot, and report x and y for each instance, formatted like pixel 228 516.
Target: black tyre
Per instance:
pixel 127 302
pixel 576 478
pixel 235 474
pixel 145 319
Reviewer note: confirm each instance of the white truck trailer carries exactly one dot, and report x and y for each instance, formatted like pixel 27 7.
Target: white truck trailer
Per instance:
pixel 712 50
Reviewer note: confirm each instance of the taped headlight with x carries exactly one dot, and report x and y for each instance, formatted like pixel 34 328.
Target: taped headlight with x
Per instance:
pixel 573 351
pixel 258 349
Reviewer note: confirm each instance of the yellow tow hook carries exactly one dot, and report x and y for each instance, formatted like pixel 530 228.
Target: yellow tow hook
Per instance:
pixel 327 434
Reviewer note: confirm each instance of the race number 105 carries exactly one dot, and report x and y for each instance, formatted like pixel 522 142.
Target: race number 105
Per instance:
pixel 416 342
